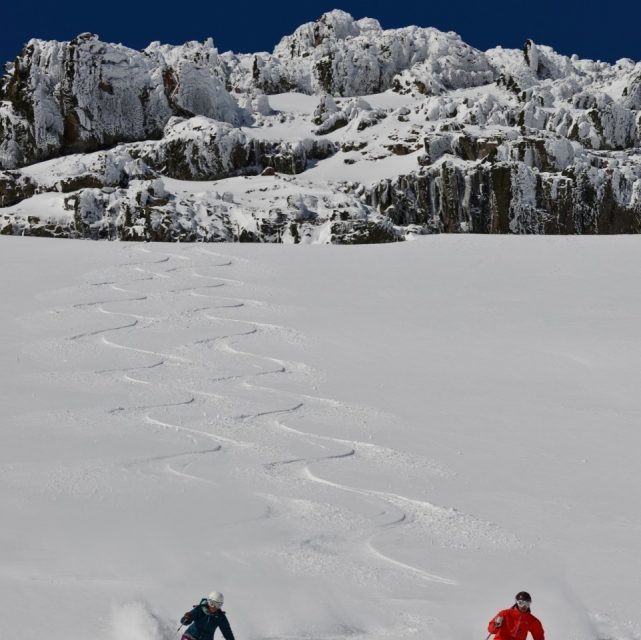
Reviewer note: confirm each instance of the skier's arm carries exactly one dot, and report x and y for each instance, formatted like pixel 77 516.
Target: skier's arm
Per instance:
pixel 225 628
pixel 495 623
pixel 192 615
pixel 537 632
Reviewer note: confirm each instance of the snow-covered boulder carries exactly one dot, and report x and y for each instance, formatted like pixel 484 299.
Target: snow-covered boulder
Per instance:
pixel 331 117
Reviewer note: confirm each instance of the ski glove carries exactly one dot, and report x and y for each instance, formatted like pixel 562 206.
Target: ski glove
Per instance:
pixel 186 619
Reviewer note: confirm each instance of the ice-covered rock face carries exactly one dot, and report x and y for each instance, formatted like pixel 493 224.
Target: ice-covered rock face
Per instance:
pixel 379 134
pixel 343 56
pixel 194 81
pixel 87 94
pixel 333 26
pixel 632 91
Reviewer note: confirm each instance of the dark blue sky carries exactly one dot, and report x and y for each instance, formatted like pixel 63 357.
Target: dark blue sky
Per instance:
pixel 605 30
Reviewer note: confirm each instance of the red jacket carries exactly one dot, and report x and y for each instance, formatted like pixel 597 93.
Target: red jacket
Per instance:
pixel 516 625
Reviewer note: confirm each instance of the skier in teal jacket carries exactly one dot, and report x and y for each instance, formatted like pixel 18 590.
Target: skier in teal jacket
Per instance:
pixel 205 618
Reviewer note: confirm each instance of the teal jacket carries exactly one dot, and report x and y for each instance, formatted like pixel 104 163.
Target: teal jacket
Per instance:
pixel 203 624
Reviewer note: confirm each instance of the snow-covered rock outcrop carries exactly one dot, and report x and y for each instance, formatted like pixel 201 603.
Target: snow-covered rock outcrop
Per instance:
pixel 346 132
pixel 347 57
pixel 86 94
pixel 203 149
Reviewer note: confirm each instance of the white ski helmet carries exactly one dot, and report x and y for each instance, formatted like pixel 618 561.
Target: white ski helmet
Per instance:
pixel 215 599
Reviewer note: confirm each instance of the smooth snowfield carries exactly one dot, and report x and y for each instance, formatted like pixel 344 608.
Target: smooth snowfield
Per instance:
pixel 349 442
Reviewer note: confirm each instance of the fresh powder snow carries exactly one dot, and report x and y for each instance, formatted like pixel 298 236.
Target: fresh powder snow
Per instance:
pixel 349 442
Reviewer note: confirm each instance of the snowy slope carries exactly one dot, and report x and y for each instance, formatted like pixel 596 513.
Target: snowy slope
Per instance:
pixel 388 133
pixel 367 442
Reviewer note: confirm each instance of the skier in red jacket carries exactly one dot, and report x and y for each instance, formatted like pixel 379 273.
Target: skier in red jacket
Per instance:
pixel 516 622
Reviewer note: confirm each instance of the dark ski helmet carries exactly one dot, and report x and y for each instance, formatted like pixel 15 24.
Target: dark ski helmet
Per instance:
pixel 523 595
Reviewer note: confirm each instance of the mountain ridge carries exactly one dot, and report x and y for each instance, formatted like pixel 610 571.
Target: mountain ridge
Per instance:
pixel 502 141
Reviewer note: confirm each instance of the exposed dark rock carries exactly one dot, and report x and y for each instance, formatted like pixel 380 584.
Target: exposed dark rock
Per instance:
pixel 363 232
pixel 333 123
pixel 490 198
pixel 86 181
pixel 14 188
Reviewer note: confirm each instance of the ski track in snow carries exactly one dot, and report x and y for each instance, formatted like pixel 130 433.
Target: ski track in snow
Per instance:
pixel 259 431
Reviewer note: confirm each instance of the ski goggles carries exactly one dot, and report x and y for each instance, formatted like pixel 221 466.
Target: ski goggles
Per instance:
pixel 523 602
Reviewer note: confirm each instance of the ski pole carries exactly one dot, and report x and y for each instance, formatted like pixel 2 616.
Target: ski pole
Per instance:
pixel 177 631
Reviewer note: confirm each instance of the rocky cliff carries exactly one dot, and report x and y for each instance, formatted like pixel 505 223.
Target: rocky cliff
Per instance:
pixel 344 133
